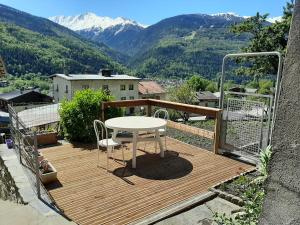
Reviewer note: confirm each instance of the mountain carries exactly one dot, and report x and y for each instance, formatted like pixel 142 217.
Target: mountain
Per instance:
pixel 34 44
pixel 91 20
pixel 111 32
pixel 186 45
pixel 179 46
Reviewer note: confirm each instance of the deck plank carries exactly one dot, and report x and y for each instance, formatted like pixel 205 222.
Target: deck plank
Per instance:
pixel 91 195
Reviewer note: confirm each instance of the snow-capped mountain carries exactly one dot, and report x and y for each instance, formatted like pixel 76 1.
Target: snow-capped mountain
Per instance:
pixel 229 16
pixel 92 21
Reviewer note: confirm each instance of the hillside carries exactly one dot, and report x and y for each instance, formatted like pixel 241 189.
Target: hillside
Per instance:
pixel 179 46
pixel 34 44
pixel 198 53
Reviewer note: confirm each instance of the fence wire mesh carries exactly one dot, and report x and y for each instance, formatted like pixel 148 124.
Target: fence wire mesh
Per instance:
pixel 24 143
pixel 244 125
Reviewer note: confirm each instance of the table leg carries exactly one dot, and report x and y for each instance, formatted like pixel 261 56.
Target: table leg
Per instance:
pixel 114 135
pixel 134 144
pixel 158 139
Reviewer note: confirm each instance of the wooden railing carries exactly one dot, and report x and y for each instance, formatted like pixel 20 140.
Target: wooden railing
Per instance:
pixel 200 110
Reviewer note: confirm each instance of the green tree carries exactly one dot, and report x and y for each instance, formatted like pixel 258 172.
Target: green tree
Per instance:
pixel 198 83
pixel 264 37
pixel 183 94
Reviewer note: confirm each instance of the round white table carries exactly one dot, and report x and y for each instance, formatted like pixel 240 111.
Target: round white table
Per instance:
pixel 135 124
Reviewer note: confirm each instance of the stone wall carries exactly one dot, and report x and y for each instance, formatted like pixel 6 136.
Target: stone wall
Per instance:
pixel 8 188
pixel 282 202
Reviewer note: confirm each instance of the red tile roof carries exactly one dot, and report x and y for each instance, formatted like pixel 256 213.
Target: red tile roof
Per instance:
pixel 150 87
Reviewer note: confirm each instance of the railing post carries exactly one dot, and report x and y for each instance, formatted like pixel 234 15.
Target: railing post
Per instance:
pixel 217 132
pixel 18 137
pixel 37 165
pixel 149 110
pixel 102 112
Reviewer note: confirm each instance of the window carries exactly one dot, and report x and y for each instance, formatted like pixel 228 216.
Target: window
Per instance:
pixel 57 87
pixel 131 87
pixel 67 89
pixel 105 87
pixel 131 97
pixel 85 86
pixel 123 98
pixel 122 87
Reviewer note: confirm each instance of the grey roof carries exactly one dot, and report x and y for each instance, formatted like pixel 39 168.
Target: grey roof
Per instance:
pixel 42 115
pixel 95 77
pixel 206 95
pixel 13 94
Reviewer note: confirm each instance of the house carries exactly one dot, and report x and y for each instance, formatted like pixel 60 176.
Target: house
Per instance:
pixel 251 90
pixel 237 89
pixel 4 83
pixel 151 89
pixel 122 87
pixel 23 96
pixel 207 99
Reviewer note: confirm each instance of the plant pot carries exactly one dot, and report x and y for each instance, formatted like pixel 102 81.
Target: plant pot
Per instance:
pixel 9 143
pixel 47 138
pixel 49 177
pixel 40 157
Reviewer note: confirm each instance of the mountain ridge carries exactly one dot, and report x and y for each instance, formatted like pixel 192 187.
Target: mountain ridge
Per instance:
pixel 31 44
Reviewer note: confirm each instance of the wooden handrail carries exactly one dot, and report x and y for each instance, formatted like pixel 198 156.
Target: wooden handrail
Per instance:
pixel 126 103
pixel 201 110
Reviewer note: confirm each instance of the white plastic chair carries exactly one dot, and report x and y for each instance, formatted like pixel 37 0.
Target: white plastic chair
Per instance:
pixel 105 142
pixel 162 114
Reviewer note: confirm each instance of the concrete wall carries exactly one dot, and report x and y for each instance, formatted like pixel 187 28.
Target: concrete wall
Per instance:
pixel 282 202
pixel 59 89
pixel 8 188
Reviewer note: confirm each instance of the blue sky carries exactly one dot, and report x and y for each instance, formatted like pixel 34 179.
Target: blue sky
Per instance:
pixel 146 11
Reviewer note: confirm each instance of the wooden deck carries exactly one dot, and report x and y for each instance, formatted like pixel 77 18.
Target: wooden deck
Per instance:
pixel 90 195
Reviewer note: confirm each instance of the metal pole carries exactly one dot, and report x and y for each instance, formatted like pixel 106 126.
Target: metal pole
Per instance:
pixel 269 121
pixel 18 138
pixel 37 170
pixel 277 92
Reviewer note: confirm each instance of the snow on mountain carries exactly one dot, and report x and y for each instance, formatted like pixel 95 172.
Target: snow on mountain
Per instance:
pixel 228 15
pixel 274 19
pixel 91 21
pixel 231 15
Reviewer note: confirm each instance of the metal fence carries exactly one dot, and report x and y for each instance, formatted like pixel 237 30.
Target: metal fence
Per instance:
pixel 24 140
pixel 25 145
pixel 246 122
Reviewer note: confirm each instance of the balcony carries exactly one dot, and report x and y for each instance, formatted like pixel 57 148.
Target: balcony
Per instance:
pixel 88 194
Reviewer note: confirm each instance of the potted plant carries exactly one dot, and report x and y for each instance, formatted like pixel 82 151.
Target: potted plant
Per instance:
pixel 47 137
pixel 48 173
pixel 9 143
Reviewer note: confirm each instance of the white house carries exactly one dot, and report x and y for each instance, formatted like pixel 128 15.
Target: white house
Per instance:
pixel 122 87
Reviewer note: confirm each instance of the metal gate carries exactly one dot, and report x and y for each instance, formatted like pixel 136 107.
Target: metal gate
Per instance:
pixel 247 121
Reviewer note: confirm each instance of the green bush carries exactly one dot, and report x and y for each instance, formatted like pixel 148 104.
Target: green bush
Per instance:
pixel 77 115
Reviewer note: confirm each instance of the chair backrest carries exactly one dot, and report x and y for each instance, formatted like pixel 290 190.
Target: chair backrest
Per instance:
pixel 161 113
pixel 100 130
